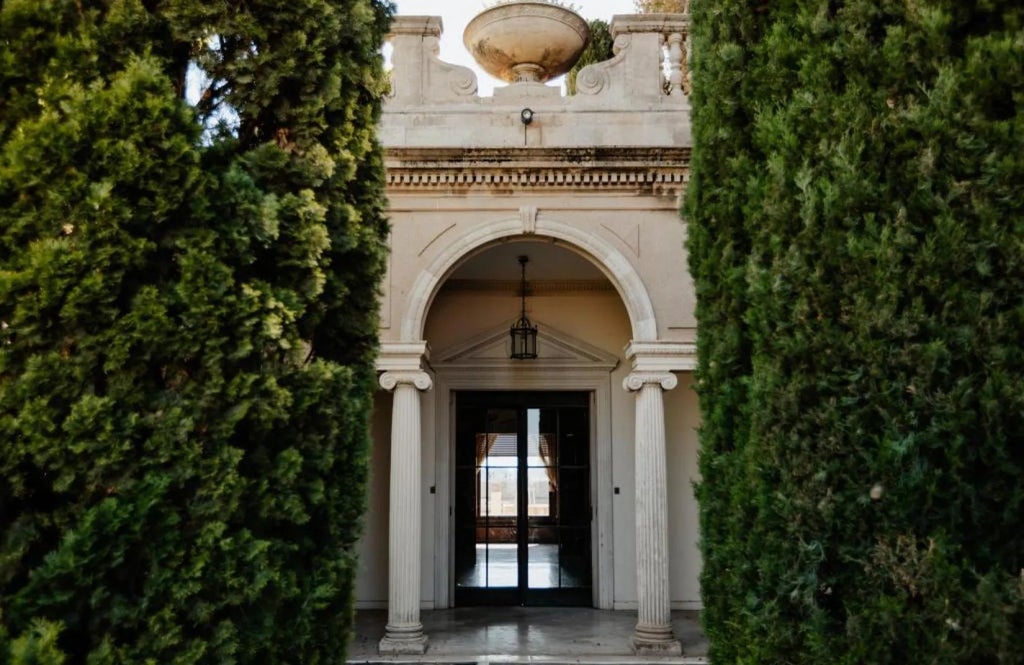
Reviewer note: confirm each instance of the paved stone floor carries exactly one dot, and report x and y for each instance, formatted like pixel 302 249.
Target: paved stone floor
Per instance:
pixel 526 635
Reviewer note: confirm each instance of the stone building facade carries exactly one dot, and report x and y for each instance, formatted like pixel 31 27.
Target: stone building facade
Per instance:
pixel 566 478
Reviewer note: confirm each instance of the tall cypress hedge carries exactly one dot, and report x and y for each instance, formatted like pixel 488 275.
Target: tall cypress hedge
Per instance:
pixel 187 326
pixel 857 239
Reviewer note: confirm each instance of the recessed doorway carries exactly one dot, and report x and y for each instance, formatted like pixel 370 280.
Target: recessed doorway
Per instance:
pixel 522 498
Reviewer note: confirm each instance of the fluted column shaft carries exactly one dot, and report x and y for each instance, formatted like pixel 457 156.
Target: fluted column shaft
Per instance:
pixel 404 632
pixel 653 634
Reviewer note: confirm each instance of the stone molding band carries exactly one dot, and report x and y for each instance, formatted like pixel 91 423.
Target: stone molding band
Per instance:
pixel 665 181
pixel 419 379
pixel 637 380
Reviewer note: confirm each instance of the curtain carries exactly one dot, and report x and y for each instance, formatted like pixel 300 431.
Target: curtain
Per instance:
pixel 484 444
pixel 550 463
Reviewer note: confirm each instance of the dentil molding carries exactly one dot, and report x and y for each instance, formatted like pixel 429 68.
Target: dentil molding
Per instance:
pixel 659 171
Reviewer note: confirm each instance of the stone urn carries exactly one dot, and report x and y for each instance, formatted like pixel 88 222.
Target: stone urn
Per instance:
pixel 527 41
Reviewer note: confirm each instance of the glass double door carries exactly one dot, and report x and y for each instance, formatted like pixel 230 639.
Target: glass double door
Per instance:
pixel 522 499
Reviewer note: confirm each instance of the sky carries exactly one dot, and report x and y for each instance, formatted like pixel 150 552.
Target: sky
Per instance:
pixel 455 14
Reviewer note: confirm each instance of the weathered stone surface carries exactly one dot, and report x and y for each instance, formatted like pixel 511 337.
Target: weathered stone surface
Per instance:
pixel 526 41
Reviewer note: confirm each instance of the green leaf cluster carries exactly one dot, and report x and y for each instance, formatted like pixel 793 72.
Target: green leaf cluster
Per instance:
pixel 188 314
pixel 856 235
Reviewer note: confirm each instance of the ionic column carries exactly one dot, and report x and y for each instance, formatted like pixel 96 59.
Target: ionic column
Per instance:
pixel 653 634
pixel 404 632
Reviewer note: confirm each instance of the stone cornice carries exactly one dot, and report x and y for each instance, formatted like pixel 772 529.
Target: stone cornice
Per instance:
pixel 655 22
pixel 660 171
pixel 426 26
pixel 534 157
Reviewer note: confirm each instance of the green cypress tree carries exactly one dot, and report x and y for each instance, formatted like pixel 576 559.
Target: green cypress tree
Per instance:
pixel 187 325
pixel 856 235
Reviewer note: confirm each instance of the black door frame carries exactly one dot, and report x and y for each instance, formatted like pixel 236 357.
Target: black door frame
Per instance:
pixel 523 595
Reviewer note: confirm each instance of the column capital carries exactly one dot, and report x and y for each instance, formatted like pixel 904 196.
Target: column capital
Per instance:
pixel 637 380
pixel 419 379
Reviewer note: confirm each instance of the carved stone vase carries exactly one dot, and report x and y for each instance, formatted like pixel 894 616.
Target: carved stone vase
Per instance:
pixel 526 42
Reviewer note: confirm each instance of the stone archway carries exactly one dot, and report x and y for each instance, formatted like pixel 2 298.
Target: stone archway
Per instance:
pixel 407 373
pixel 603 254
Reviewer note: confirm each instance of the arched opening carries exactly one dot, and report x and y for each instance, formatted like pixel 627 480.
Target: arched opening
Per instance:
pixel 526 443
pixel 565 291
pixel 600 254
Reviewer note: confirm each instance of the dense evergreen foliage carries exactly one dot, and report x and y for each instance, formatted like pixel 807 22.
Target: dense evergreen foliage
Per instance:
pixel 187 326
pixel 857 240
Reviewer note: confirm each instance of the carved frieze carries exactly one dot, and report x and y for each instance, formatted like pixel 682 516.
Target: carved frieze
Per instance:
pixel 653 171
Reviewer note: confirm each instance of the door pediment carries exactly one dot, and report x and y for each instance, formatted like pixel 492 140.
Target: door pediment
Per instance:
pixel 555 349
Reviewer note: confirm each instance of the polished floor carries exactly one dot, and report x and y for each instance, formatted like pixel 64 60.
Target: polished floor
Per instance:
pixel 526 635
pixel 498 566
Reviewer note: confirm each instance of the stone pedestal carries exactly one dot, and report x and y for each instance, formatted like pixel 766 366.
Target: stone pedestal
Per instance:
pixel 404 632
pixel 653 634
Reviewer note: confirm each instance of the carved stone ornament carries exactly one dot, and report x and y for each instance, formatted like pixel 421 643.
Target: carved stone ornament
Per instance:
pixel 420 380
pixel 637 380
pixel 528 215
pixel 526 41
pixel 596 77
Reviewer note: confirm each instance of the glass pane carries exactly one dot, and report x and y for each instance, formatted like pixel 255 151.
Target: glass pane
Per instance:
pixel 470 420
pixel 501 420
pixel 500 492
pixel 465 496
pixel 574 496
pixel 574 557
pixel 542 565
pixel 494 504
pixel 469 571
pixel 574 437
pixel 540 491
pixel 532 432
pixel 502 562
pixel 497 449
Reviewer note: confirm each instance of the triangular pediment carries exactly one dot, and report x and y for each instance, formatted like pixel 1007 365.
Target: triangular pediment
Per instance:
pixel 554 349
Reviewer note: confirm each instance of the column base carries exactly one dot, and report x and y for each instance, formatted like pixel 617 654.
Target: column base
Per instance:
pixel 655 641
pixel 403 641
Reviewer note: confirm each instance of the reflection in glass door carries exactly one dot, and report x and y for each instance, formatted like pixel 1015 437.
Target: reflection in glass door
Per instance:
pixel 522 507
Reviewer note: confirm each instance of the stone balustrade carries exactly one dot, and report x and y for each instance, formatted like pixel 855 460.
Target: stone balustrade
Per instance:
pixel 649 63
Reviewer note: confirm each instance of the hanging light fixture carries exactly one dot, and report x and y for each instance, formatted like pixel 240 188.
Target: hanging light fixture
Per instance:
pixel 524 333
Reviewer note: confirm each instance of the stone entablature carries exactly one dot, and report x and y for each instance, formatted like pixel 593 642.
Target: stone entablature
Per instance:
pixel 655 171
